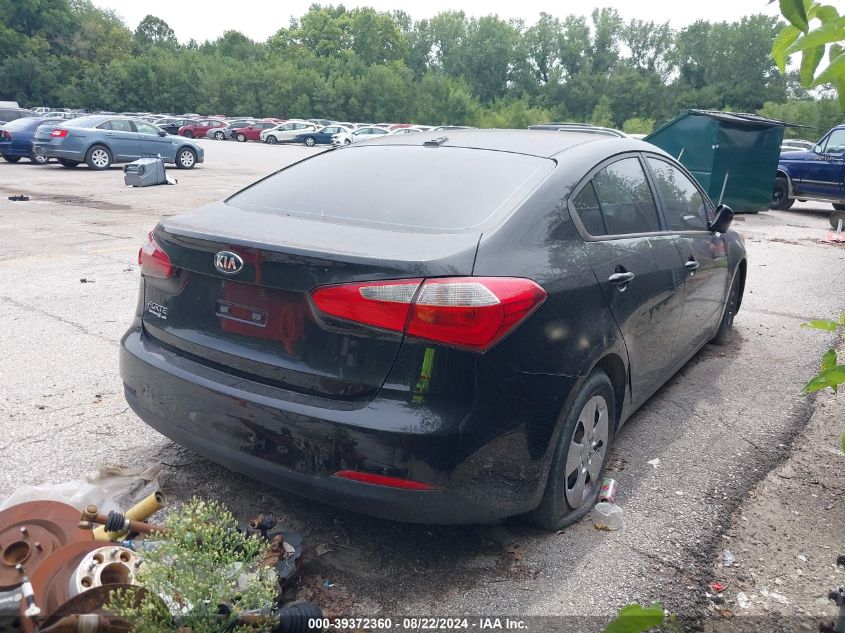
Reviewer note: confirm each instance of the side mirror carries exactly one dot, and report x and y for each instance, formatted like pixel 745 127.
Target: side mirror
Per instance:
pixel 162 133
pixel 722 222
pixel 817 149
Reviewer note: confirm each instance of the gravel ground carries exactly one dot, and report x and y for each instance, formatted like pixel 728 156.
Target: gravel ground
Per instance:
pixel 718 427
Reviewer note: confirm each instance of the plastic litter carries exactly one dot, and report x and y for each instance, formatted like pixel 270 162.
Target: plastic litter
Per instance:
pixel 110 487
pixel 717 587
pixel 654 463
pixel 728 559
pixel 327 584
pixel 743 601
pixel 607 516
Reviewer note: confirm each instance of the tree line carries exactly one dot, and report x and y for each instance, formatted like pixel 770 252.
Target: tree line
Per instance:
pixel 366 65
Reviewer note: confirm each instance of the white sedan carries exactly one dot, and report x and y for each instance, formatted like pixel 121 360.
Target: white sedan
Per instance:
pixel 361 134
pixel 284 132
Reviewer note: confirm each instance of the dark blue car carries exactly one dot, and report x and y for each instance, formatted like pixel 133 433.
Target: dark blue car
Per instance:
pixel 16 139
pixel 323 136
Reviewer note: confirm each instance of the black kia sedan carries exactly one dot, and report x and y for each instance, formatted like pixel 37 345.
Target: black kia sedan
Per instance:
pixel 453 332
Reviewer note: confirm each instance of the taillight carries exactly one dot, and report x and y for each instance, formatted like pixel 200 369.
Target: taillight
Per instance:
pixel 469 312
pixel 59 133
pixel 154 262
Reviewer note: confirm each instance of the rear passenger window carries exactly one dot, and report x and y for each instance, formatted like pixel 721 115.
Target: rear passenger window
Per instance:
pixel 121 125
pixel 587 207
pixel 105 125
pixel 625 198
pixel 684 207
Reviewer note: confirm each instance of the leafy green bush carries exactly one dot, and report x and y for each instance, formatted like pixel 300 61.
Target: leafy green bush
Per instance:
pixel 201 562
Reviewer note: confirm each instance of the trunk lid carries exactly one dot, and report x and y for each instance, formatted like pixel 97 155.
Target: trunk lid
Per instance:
pixel 259 323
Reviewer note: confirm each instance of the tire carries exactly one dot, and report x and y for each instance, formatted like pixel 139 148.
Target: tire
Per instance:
pixel 188 134
pixel 310 141
pixel 70 164
pixel 567 500
pixel 780 196
pixel 219 136
pixel 241 138
pixel 838 206
pixel 99 157
pixel 346 141
pixel 11 159
pixel 186 158
pixel 724 334
pixel 39 159
pixel 835 217
pixel 272 140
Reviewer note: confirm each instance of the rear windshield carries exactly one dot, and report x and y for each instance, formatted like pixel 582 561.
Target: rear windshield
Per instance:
pixel 445 189
pixel 85 121
pixel 13 114
pixel 21 124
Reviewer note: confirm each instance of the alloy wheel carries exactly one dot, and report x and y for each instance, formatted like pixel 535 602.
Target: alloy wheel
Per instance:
pixel 186 158
pixel 100 158
pixel 587 449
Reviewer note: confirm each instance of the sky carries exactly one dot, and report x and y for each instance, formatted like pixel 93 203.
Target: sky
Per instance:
pixel 258 19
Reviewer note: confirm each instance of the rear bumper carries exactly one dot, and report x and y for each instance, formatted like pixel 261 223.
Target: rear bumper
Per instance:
pixel 56 152
pixel 297 446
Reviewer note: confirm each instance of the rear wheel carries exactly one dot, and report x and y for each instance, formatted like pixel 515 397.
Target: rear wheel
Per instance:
pixel 836 217
pixel 310 141
pixel 780 196
pixel 11 159
pixel 581 455
pixel 39 159
pixel 188 134
pixel 726 326
pixel 219 136
pixel 99 157
pixel 64 162
pixel 271 139
pixel 186 158
pixel 241 138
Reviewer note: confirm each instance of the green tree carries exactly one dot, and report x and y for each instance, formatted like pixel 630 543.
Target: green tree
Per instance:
pixel 637 125
pixel 543 43
pixel 153 31
pixel 602 114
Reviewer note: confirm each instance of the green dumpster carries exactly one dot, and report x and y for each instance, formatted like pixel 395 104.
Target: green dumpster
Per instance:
pixel 734 156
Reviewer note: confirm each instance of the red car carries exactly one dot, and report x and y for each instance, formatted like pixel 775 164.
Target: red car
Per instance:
pixel 200 127
pixel 252 132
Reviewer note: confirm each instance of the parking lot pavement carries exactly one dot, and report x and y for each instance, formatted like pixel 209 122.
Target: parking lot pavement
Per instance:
pixel 717 428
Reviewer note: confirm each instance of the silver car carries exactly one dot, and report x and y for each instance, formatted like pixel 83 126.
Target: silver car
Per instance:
pixel 102 140
pixel 285 132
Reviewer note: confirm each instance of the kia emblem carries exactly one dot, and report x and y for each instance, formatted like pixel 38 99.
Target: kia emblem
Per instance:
pixel 228 263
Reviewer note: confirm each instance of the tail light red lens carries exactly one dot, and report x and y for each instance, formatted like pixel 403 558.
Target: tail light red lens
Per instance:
pixel 58 133
pixel 472 313
pixel 383 480
pixel 154 262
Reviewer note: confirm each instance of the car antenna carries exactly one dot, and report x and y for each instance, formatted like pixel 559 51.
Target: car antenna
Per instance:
pixel 436 142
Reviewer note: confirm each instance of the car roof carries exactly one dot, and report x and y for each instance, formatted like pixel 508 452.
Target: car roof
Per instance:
pixel 544 144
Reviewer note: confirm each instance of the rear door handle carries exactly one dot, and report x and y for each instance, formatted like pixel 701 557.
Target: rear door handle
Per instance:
pixel 692 265
pixel 620 279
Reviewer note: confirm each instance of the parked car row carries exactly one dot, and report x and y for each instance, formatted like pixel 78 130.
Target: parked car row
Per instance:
pixel 97 140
